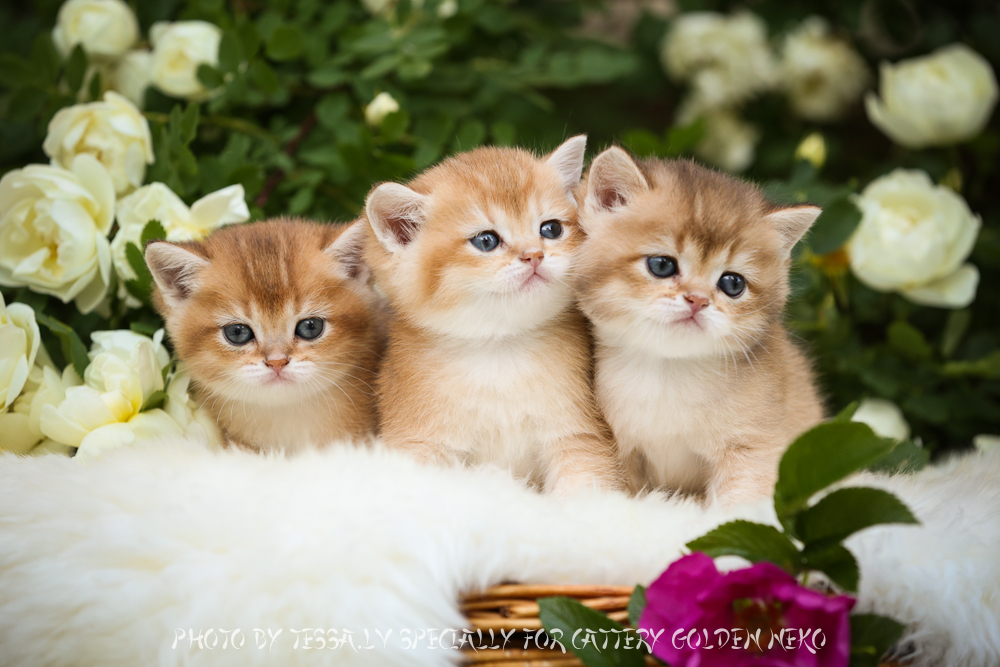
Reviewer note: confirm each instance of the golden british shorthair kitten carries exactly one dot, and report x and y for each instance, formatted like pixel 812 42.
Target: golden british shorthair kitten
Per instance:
pixel 276 323
pixel 685 277
pixel 488 360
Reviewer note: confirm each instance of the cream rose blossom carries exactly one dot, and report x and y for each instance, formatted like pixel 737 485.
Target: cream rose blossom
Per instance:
pixel 935 100
pixel 106 28
pixel 178 49
pixel 21 426
pixel 125 371
pixel 729 141
pixel 380 107
pixel 158 202
pixel 130 75
pixel 884 417
pixel 19 345
pixel 193 418
pixel 54 225
pixel 913 238
pixel 727 59
pixel 822 74
pixel 114 131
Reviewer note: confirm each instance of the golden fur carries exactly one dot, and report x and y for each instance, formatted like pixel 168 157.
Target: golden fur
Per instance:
pixel 270 276
pixel 488 361
pixel 700 401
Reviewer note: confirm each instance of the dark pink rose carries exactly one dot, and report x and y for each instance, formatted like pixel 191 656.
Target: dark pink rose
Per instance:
pixel 759 616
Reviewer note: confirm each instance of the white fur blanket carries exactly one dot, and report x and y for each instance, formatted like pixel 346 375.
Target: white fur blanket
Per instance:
pixel 105 562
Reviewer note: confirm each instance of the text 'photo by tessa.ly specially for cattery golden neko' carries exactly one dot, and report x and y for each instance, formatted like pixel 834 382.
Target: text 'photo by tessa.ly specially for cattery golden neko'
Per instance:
pixel 488 360
pixel 277 324
pixel 684 275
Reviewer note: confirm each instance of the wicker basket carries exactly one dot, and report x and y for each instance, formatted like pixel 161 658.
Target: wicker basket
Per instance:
pixel 514 607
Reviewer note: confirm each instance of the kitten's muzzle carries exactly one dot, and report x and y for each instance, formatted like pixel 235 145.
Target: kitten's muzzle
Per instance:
pixel 696 302
pixel 276 364
pixel 533 257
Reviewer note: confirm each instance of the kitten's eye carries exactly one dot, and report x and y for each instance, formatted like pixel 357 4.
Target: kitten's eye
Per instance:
pixel 733 284
pixel 309 328
pixel 661 266
pixel 485 241
pixel 551 229
pixel 237 334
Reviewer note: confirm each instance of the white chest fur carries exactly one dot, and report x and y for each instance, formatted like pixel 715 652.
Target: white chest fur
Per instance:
pixel 671 411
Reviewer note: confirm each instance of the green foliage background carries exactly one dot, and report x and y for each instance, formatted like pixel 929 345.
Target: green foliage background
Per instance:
pixel 289 127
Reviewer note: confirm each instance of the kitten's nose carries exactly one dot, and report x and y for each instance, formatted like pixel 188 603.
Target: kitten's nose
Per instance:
pixel 277 364
pixel 696 301
pixel 533 256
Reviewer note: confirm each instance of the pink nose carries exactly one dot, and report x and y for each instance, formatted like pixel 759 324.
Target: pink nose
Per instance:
pixel 696 301
pixel 277 364
pixel 534 257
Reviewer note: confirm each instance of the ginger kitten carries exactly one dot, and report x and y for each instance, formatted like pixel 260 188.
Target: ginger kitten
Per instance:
pixel 488 360
pixel 685 277
pixel 276 323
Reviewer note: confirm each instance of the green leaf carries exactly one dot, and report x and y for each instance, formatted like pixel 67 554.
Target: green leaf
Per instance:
pixel 907 456
pixel 819 457
pixel 681 139
pixel 95 86
pixel 835 561
pixel 15 71
pixel 153 231
pixel 76 68
pixel 72 347
pixel 189 123
pixel 25 103
pixel 154 400
pixel 230 51
pixel 327 76
pixel 908 341
pixel 871 638
pixel 264 77
pixel 470 134
pixel 846 511
pixel 834 226
pixel 847 414
pixel 45 59
pixel 210 77
pixel 285 43
pixel 141 286
pixel 753 541
pixel 249 38
pixel 954 330
pixel 503 133
pixel 562 617
pixel 636 605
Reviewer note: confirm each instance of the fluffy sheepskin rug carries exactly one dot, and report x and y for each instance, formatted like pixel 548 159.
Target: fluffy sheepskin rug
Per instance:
pixel 108 562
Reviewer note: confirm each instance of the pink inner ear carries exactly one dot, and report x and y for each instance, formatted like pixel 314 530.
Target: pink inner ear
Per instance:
pixel 402 228
pixel 610 198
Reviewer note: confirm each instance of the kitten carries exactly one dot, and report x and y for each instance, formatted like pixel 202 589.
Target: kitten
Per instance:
pixel 685 276
pixel 488 360
pixel 277 325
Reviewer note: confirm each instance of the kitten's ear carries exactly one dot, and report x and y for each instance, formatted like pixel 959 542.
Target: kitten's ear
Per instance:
pixel 614 179
pixel 568 161
pixel 175 270
pixel 395 213
pixel 347 252
pixel 792 223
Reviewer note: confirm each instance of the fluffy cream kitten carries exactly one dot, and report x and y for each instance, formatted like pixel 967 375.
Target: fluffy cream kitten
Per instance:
pixel 277 324
pixel 488 360
pixel 685 276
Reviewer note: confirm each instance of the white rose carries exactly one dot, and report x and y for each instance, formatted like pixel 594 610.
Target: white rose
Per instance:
pixel 158 202
pixel 823 75
pixel 106 28
pixel 884 417
pixel 19 342
pixel 21 426
pixel 985 442
pixel 113 131
pixel 380 107
pixel 727 59
pixel 125 370
pixel 935 100
pixel 178 49
pixel 729 141
pixel 193 418
pixel 913 238
pixel 130 76
pixel 54 225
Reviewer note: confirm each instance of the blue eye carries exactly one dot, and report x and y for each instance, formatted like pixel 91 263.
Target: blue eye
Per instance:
pixel 238 334
pixel 309 329
pixel 485 241
pixel 661 266
pixel 551 229
pixel 732 284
